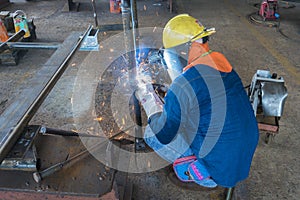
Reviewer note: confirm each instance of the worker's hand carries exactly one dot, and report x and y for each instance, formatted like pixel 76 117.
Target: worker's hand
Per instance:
pixel 143 84
pixel 143 76
pixel 147 96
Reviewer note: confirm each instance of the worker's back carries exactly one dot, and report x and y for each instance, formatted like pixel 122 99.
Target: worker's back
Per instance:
pixel 227 132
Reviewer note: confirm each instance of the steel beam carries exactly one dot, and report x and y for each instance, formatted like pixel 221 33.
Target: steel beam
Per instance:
pixel 17 116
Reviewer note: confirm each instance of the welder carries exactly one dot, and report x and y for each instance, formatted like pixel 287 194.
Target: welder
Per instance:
pixel 206 126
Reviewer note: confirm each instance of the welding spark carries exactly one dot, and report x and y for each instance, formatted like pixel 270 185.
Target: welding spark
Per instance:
pixel 154 29
pixel 99 119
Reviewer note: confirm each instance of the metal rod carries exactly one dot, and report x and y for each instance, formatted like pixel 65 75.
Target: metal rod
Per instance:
pixel 130 40
pixel 126 22
pixel 32 45
pixel 139 141
pixel 52 131
pixel 17 129
pixel 39 176
pixel 134 17
pixel 95 13
pixel 134 22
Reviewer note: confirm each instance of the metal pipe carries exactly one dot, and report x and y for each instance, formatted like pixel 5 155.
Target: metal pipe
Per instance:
pixel 130 40
pixel 139 142
pixel 32 45
pixel 126 24
pixel 95 13
pixel 134 22
pixel 52 131
pixel 134 17
pixel 17 130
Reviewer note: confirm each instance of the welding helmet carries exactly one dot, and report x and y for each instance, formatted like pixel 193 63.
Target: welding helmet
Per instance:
pixel 182 29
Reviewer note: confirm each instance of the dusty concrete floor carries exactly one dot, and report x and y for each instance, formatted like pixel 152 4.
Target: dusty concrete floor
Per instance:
pixel 275 169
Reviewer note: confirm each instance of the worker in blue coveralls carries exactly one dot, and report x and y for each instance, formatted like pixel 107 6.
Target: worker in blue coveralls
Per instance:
pixel 206 126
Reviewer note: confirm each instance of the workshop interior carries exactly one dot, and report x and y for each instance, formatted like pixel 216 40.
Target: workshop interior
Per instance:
pixel 71 126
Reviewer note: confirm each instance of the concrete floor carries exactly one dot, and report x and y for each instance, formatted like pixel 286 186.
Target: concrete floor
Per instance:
pixel 275 168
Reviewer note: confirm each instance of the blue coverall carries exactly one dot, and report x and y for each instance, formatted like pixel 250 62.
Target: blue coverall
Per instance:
pixel 211 111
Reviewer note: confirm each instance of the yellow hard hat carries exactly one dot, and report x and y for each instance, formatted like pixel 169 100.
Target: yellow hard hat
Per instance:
pixel 183 28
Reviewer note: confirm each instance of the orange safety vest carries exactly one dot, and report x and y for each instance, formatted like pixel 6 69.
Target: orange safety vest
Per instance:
pixel 201 54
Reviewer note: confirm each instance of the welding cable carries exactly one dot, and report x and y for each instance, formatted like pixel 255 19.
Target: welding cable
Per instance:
pixel 287 6
pixel 287 37
pixel 275 24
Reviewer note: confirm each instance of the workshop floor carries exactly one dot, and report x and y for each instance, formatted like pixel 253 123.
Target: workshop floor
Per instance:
pixel 275 171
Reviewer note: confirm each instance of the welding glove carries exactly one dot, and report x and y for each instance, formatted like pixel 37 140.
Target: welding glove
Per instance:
pixel 147 96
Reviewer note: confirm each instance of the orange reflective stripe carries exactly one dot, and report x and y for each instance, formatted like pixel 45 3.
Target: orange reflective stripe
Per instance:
pixel 215 60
